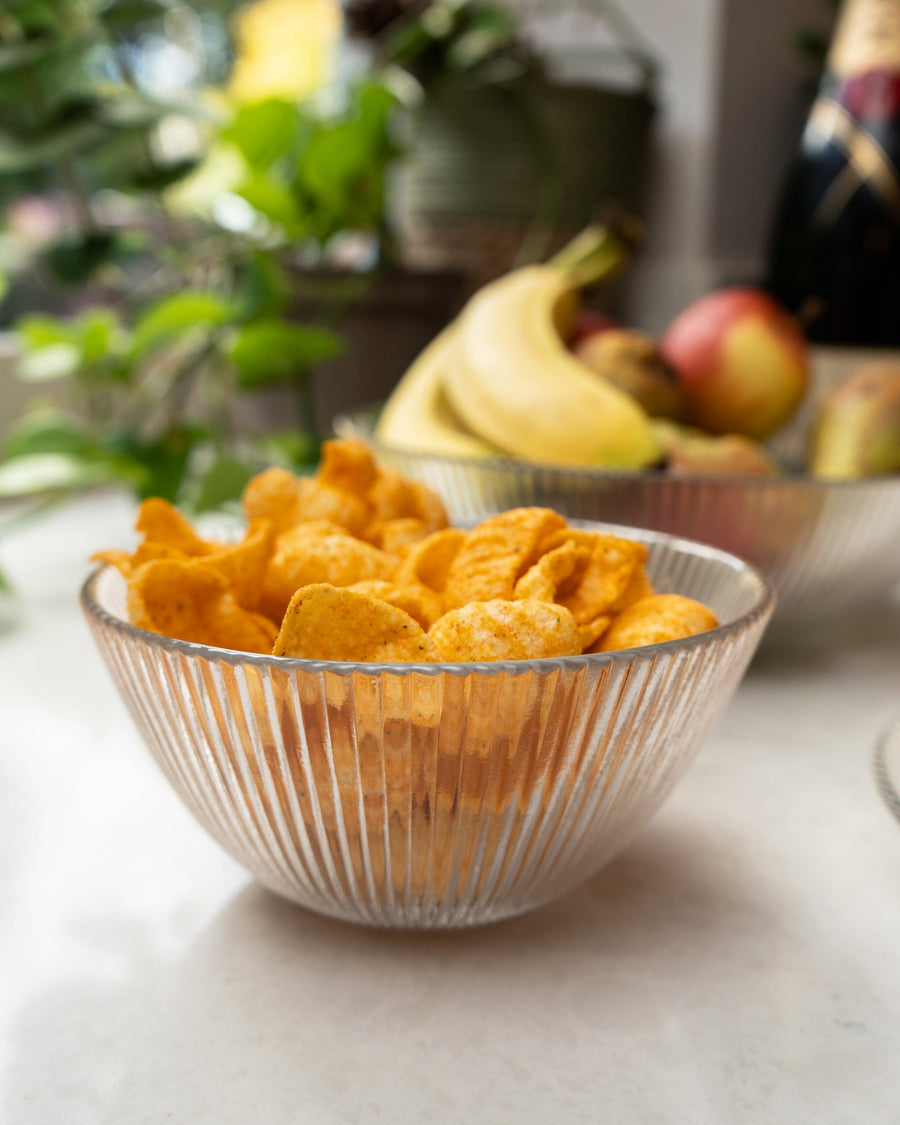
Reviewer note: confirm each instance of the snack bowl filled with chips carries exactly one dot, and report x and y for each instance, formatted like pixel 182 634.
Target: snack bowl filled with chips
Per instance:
pixel 827 545
pixel 450 749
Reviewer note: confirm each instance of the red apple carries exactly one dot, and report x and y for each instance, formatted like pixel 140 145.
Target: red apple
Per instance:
pixel 741 360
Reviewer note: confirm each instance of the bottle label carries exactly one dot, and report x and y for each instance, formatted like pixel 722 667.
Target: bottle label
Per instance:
pixel 867 38
pixel 867 162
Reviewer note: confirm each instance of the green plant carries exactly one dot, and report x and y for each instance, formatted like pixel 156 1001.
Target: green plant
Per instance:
pixel 189 307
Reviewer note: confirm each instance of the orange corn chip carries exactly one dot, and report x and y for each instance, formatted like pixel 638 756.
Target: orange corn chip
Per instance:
pixel 662 617
pixel 497 553
pixel 429 561
pixel 591 631
pixel 273 495
pixel 348 466
pixel 320 501
pixel 555 574
pixel 244 564
pixel 639 586
pixel 418 601
pixel 127 563
pixel 121 560
pixel 504 630
pixel 397 536
pixel 390 496
pixel 324 622
pixel 608 572
pixel 428 506
pixel 303 559
pixel 161 522
pixel 192 601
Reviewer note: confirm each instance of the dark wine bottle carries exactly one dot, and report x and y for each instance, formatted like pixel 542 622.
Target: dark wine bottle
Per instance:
pixel 835 253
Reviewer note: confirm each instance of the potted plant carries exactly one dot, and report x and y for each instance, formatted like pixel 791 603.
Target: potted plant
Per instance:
pixel 203 250
pixel 510 155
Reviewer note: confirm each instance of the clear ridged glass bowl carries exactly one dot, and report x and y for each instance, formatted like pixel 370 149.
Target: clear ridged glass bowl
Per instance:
pixel 887 767
pixel 826 545
pixel 433 795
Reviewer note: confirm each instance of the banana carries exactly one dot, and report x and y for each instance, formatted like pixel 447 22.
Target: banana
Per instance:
pixel 417 416
pixel 509 377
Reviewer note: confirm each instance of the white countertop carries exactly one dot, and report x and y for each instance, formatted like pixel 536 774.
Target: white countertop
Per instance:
pixel 739 963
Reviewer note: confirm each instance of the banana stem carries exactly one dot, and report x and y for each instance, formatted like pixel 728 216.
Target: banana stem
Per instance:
pixel 597 253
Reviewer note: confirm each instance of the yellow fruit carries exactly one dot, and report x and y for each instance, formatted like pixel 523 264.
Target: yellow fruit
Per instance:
pixel 510 378
pixel 417 416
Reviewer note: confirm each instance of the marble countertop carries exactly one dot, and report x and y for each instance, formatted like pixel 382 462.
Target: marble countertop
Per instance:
pixel 739 963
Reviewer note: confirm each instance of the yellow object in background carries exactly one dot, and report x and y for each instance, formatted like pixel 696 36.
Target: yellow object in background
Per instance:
pixel 285 48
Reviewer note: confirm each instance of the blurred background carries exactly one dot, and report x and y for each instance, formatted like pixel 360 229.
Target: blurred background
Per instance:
pixel 222 222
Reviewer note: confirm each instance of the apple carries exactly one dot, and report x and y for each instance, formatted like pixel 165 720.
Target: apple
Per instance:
pixel 588 323
pixel 857 433
pixel 693 452
pixel 632 362
pixel 741 360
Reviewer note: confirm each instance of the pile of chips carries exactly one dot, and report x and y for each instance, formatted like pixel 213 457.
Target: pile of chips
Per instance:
pixel 358 564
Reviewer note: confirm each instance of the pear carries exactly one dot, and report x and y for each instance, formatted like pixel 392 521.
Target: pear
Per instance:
pixel 632 362
pixel 857 433
pixel 690 451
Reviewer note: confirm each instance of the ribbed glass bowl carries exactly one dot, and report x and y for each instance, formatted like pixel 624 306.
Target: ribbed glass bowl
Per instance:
pixel 826 545
pixel 433 795
pixel 887 767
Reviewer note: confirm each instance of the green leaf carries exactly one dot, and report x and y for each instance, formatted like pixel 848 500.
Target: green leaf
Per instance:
pixel 44 431
pixel 48 430
pixel 55 361
pixel 331 160
pixel 289 448
pixel 164 461
pixel 39 331
pixel 266 288
pixel 263 132
pixel 16 55
pixel 46 472
pixel 177 314
pixel 271 351
pixel 96 332
pixel 273 200
pixel 224 481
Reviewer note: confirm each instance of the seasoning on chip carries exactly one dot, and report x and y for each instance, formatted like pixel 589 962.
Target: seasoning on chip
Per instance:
pixel 327 623
pixel 506 630
pixel 192 601
pixel 662 617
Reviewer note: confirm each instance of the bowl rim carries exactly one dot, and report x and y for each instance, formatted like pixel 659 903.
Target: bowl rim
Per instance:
pixel 761 609
pixel 353 422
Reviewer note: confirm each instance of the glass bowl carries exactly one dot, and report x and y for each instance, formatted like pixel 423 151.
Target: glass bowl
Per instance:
pixel 824 544
pixel 887 767
pixel 433 795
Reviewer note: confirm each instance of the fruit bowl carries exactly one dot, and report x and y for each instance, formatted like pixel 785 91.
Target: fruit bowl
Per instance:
pixel 824 544
pixel 433 795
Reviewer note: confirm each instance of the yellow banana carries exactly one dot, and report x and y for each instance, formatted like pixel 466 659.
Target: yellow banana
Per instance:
pixel 510 378
pixel 417 416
